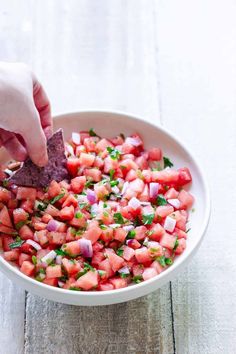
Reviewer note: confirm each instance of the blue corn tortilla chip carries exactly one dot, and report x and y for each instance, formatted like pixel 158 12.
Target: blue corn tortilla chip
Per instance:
pixel 30 175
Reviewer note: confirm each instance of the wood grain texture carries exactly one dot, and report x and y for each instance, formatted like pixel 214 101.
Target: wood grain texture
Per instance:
pixel 197 57
pixel 89 55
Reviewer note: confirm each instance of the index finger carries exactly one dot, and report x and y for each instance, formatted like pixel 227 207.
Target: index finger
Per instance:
pixel 42 104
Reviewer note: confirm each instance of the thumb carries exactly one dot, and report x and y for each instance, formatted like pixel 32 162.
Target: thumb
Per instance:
pixel 35 140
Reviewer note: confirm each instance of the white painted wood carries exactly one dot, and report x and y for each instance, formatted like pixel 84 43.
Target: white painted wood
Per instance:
pixel 197 58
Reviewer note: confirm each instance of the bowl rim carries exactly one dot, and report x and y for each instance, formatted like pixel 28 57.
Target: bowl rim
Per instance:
pixel 7 267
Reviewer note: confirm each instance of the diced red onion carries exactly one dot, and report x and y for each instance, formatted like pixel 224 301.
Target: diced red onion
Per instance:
pixel 129 242
pixel 58 259
pixel 52 225
pixel 91 196
pixel 76 138
pixel 128 228
pixel 134 141
pixel 169 224
pixel 34 244
pixel 86 247
pixel 134 203
pixel 124 188
pixel 153 189
pixel 49 257
pixel 115 190
pixel 61 284
pixel 174 202
pixel 124 270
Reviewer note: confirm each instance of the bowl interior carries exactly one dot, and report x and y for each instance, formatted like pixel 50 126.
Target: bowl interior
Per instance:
pixel 111 124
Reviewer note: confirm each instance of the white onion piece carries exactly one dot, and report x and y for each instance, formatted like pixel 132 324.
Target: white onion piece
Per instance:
pixel 76 138
pixel 153 244
pixel 69 149
pixel 114 226
pixel 85 247
pixel 153 189
pixel 36 237
pixel 34 244
pixel 174 202
pixel 94 209
pixel 124 270
pixel 61 284
pixel 146 241
pixel 124 188
pixel 134 141
pixel 134 203
pixel 145 203
pixel 128 228
pixel 91 196
pixel 169 224
pixel 49 257
pixel 82 198
pixel 58 259
pixel 42 276
pixel 9 172
pixel 115 190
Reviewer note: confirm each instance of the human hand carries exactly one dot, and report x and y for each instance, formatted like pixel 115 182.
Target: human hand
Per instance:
pixel 25 116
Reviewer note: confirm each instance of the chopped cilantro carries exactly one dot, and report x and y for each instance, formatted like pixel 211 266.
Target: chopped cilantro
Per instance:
pixel 105 205
pixel 123 167
pixel 114 153
pixel 83 205
pixel 176 244
pixel 101 272
pixel 148 219
pixel 92 132
pixel 131 234
pixel 167 162
pixel 60 252
pixel 111 173
pixel 21 223
pixel 56 198
pixel 88 267
pixel 79 215
pixel 89 183
pixel 118 218
pixel 124 275
pixel 168 261
pixel 106 214
pixel 5 183
pixel 103 227
pixel 120 252
pixel 114 183
pixel 75 288
pixel 161 200
pixel 161 260
pixel 137 279
pixel 34 260
pixel 149 232
pixel 139 174
pixel 16 244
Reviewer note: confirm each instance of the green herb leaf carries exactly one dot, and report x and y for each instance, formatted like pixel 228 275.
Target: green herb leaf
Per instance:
pixel 137 279
pixel 60 252
pixel 124 275
pixel 103 227
pixel 114 183
pixel 131 234
pixel 82 205
pixel 5 183
pixel 89 183
pixel 120 252
pixel 22 223
pixel 114 153
pixel 111 173
pixel 34 260
pixel 118 218
pixel 161 260
pixel 149 232
pixel 56 198
pixel 161 200
pixel 16 244
pixel 92 132
pixel 176 244
pixel 79 215
pixel 101 272
pixel 167 162
pixel 168 261
pixel 88 267
pixel 75 288
pixel 148 219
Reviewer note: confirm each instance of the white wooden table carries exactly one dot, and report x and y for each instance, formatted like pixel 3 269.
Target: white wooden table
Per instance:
pixel 173 62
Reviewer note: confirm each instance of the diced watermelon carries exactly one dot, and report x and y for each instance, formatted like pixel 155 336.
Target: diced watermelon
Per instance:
pixel 27 268
pixel 5 217
pixel 26 193
pixel 78 183
pixel 168 241
pixel 88 281
pixel 53 271
pixel 26 233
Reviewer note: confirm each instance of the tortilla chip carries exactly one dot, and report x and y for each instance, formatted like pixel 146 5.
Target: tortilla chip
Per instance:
pixel 31 175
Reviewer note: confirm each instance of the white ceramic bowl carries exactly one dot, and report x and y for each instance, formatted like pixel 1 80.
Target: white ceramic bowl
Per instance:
pixel 109 124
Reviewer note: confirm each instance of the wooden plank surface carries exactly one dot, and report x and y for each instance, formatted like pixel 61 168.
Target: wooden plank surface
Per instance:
pixel 95 55
pixel 197 47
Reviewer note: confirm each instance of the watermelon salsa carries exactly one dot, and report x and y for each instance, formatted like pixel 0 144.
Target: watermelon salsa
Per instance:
pixel 120 219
